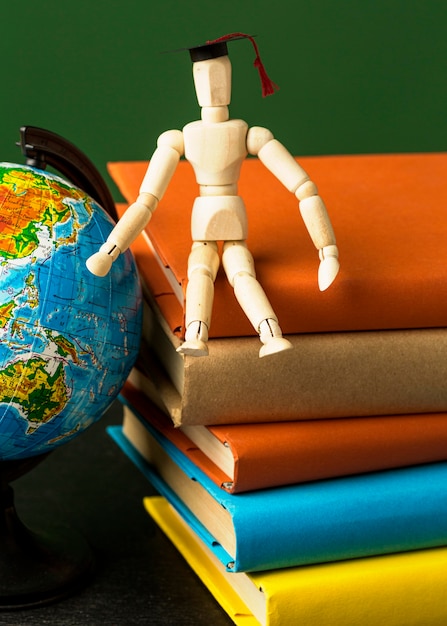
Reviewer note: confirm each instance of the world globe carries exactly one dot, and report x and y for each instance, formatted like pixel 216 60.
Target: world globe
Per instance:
pixel 68 339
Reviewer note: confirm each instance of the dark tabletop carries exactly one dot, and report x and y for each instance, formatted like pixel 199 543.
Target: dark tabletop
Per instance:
pixel 139 577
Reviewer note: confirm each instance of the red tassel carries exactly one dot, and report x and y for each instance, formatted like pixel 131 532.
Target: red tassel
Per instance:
pixel 268 86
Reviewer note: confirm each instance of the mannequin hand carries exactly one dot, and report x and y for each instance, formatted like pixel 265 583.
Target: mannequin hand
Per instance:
pixel 100 263
pixel 329 266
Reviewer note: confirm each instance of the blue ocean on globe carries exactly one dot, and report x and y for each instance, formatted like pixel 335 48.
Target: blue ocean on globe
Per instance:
pixel 68 339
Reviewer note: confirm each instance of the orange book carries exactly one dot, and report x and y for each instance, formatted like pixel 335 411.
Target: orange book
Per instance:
pixel 388 213
pixel 250 457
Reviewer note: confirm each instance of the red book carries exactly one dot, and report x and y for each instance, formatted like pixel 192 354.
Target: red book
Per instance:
pixel 249 457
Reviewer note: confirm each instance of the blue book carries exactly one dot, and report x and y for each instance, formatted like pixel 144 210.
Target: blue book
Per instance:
pixel 330 520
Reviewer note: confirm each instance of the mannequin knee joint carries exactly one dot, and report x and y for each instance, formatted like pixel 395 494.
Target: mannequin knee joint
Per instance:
pixel 237 259
pixel 204 258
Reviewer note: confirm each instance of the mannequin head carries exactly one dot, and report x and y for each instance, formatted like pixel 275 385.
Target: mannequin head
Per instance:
pixel 212 80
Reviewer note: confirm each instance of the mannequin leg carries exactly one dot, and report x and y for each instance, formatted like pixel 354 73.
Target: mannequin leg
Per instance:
pixel 239 267
pixel 203 264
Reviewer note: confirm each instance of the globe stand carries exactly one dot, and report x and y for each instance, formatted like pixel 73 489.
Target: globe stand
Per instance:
pixel 36 568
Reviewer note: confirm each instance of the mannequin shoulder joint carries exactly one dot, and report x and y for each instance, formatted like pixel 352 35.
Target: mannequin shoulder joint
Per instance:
pixel 257 137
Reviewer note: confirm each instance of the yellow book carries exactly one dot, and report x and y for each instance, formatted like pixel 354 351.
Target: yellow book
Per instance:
pixel 405 589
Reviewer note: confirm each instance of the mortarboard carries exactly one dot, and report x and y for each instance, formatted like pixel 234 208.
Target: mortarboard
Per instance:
pixel 218 47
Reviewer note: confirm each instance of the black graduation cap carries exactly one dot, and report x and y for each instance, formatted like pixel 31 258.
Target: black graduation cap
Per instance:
pixel 214 48
pixel 218 47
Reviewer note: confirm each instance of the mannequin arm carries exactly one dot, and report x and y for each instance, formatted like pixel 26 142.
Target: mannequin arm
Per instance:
pixel 284 166
pixel 158 175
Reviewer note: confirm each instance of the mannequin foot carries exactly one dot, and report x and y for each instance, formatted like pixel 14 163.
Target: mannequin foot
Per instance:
pixel 274 345
pixel 271 337
pixel 196 338
pixel 193 348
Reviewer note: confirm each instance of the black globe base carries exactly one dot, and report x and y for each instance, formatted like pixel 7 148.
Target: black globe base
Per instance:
pixel 38 568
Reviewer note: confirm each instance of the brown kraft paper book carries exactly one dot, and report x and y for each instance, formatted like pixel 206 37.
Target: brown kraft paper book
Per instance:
pixel 326 375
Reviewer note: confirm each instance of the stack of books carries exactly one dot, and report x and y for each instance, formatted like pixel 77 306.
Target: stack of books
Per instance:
pixel 309 486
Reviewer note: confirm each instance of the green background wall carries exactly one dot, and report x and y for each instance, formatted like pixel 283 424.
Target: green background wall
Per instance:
pixel 355 76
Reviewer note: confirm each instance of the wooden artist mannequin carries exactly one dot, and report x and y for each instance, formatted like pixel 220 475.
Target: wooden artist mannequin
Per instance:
pixel 216 146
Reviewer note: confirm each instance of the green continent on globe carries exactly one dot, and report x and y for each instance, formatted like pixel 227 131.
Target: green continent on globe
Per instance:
pixel 42 393
pixel 7 312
